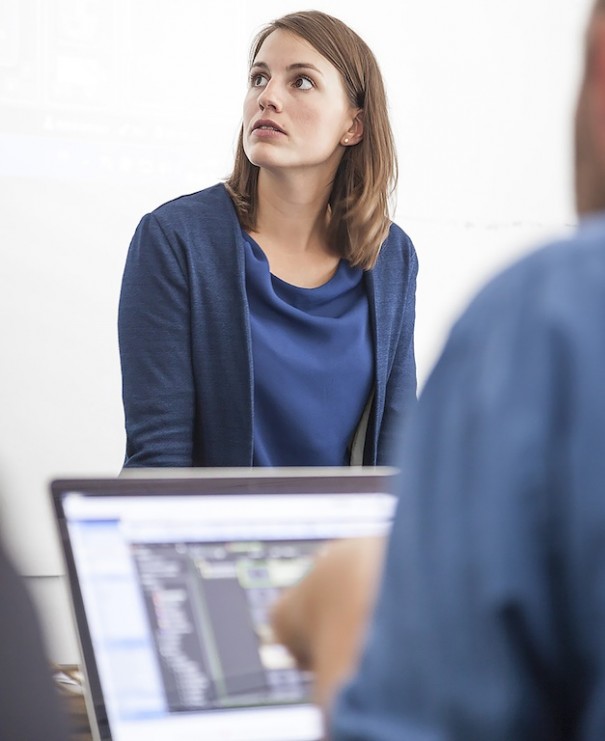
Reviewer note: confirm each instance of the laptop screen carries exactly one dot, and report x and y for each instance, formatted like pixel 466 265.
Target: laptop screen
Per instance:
pixel 172 580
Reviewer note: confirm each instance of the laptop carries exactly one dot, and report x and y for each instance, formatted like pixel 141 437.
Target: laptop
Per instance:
pixel 172 574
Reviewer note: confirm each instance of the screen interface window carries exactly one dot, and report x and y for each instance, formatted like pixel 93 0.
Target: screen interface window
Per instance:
pixel 177 591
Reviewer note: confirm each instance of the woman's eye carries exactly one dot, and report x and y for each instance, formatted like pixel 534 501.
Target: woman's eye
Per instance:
pixel 257 80
pixel 303 83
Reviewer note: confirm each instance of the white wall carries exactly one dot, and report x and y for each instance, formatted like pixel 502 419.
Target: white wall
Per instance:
pixel 109 107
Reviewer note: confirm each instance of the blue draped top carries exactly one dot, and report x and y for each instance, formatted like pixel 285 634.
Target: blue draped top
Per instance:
pixel 313 363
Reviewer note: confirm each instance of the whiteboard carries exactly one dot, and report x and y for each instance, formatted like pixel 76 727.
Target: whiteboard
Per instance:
pixel 110 107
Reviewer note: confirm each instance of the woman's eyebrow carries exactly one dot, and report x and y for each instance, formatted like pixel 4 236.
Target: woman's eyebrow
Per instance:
pixel 290 67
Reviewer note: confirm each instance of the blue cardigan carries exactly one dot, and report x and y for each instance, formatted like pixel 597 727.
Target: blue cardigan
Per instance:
pixel 185 347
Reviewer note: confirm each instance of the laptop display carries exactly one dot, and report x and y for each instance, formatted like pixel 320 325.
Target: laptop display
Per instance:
pixel 172 575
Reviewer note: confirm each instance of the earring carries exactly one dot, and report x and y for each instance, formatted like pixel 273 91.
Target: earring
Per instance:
pixel 346 141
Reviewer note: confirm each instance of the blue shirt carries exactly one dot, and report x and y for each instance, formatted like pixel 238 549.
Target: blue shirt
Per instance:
pixel 490 624
pixel 312 359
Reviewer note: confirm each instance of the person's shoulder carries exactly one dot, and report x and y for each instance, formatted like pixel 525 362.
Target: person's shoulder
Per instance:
pixel 552 280
pixel 397 238
pixel 205 217
pixel 396 249
pixel 560 261
pixel 213 201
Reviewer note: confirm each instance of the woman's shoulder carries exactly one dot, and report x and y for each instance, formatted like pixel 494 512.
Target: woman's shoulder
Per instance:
pixel 399 237
pixel 397 248
pixel 213 201
pixel 198 223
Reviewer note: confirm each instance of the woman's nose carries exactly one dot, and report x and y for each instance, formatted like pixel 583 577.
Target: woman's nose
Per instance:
pixel 270 97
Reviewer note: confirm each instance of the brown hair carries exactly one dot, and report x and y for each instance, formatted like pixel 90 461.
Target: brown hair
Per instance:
pixel 367 174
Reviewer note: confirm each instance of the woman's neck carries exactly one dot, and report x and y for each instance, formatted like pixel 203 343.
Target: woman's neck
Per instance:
pixel 291 228
pixel 294 208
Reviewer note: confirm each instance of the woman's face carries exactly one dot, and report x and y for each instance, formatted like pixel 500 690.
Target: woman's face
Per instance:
pixel 296 112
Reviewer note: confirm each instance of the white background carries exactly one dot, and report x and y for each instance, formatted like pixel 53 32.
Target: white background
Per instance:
pixel 110 107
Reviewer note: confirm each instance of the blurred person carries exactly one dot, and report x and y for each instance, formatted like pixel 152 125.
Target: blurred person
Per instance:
pixel 488 623
pixel 29 703
pixel 269 320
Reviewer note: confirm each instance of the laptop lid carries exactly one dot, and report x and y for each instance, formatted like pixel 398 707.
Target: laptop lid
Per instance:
pixel 172 573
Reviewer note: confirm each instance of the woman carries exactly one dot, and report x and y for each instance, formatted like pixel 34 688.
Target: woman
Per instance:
pixel 269 320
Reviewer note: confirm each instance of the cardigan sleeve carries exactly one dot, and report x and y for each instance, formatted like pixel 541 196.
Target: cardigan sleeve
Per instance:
pixel 154 331
pixel 400 384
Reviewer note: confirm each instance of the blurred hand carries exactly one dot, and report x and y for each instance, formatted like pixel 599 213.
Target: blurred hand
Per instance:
pixel 322 620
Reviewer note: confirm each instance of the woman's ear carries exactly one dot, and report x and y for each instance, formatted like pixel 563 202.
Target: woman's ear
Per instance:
pixel 355 132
